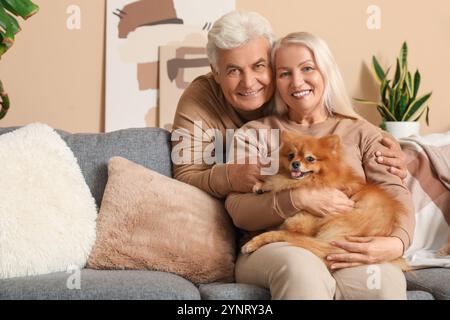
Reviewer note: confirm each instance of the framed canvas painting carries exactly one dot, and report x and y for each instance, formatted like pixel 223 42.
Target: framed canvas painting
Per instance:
pixel 178 66
pixel 135 32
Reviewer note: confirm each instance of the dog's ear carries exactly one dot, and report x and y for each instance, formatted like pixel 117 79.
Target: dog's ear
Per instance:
pixel 332 143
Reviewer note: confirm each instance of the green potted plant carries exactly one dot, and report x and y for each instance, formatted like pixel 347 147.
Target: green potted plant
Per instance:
pixel 8 28
pixel 399 105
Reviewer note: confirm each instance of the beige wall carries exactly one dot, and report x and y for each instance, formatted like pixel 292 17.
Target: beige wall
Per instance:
pixel 55 75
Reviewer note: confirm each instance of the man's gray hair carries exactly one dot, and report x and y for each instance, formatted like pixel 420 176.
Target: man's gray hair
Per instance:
pixel 234 30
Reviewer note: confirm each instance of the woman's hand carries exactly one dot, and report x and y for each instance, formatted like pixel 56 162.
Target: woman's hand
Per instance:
pixel 365 250
pixel 394 158
pixel 322 202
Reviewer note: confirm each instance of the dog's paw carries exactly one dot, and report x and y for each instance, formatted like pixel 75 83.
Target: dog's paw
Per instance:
pixel 249 247
pixel 257 188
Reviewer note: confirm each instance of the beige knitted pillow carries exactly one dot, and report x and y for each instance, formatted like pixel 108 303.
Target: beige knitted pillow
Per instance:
pixel 150 221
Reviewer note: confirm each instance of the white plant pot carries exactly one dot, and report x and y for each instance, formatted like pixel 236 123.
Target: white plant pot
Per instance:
pixel 403 129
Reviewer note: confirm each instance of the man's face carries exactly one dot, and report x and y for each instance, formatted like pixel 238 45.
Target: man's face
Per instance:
pixel 245 74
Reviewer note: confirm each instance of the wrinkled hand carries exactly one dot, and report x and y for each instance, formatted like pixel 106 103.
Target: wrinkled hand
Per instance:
pixel 365 250
pixel 394 158
pixel 243 177
pixel 322 202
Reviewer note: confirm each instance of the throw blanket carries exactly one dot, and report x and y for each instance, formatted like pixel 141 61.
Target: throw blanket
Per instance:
pixel 428 161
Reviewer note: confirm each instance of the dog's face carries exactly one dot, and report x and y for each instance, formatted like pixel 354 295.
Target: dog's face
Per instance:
pixel 302 157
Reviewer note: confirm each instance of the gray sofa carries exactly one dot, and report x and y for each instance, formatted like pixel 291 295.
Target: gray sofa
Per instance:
pixel 150 147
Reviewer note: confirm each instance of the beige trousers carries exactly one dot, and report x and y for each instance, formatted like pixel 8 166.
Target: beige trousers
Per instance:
pixel 296 273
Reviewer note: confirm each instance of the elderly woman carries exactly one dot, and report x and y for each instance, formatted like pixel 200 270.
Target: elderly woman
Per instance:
pixel 312 91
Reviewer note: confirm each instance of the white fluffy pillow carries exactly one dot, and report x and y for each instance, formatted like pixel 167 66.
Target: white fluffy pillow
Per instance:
pixel 47 213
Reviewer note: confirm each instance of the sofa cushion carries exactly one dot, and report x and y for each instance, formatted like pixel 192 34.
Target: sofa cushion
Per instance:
pixel 47 213
pixel 100 285
pixel 150 221
pixel 233 291
pixel 433 280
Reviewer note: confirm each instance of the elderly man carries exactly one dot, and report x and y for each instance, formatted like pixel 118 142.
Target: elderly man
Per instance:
pixel 240 89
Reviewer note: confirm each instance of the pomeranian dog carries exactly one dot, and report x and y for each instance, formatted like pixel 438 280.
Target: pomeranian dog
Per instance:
pixel 308 162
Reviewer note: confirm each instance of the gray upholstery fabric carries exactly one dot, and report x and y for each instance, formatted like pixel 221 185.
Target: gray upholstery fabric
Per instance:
pixel 419 295
pixel 239 291
pixel 100 285
pixel 149 147
pixel 233 291
pixel 433 280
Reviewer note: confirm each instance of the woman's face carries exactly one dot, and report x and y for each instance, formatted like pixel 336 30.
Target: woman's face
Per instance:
pixel 299 81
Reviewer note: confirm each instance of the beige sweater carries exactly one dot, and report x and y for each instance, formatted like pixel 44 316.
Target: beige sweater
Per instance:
pixel 203 107
pixel 360 141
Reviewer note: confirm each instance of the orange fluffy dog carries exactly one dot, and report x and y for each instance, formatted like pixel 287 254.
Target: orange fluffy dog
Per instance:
pixel 308 162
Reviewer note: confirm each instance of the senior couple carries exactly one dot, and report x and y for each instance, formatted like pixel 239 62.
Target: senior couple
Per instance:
pixel 247 67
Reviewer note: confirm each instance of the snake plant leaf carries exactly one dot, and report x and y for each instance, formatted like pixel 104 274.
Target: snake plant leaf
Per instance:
pixel 398 71
pixel 381 111
pixel 409 85
pixel 384 114
pixel 387 114
pixel 22 8
pixel 417 117
pixel 416 84
pixel 415 108
pixel 378 70
pixel 363 101
pixel 427 119
pixel 396 102
pixel 385 88
pixel 402 106
pixel 404 55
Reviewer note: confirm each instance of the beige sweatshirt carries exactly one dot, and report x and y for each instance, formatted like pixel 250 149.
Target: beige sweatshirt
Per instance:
pixel 203 108
pixel 360 141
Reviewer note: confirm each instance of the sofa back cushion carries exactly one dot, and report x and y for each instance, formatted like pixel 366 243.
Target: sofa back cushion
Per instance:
pixel 149 147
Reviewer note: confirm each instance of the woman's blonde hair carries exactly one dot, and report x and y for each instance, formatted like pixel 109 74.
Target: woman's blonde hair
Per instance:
pixel 336 98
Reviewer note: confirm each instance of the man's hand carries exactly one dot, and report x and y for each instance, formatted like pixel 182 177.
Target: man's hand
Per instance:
pixel 322 202
pixel 365 250
pixel 243 177
pixel 394 158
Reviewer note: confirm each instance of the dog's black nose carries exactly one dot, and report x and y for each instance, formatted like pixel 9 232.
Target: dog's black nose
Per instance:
pixel 295 165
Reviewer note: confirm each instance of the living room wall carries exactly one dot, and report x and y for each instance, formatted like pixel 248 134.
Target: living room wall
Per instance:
pixel 55 71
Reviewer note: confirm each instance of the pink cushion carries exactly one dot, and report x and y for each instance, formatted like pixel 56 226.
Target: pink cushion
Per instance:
pixel 150 221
